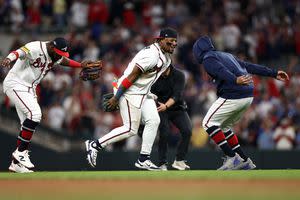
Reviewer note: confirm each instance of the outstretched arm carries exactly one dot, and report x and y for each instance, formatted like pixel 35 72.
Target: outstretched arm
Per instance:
pixel 74 64
pixel 13 56
pixel 258 69
pixel 264 71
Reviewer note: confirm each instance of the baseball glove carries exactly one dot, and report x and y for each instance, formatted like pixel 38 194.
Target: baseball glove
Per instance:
pixel 90 71
pixel 105 99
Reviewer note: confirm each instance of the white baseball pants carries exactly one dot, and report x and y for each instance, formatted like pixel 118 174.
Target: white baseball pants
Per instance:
pixel 25 101
pixel 224 113
pixel 131 116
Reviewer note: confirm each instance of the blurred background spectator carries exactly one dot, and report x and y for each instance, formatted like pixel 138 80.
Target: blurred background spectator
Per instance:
pixel 114 30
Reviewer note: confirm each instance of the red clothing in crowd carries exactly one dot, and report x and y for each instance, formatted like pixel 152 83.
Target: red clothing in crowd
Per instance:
pixel 98 12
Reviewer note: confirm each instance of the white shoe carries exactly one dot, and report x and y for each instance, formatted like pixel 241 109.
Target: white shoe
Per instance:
pixel 232 163
pixel 180 165
pixel 247 165
pixel 91 153
pixel 163 167
pixel 147 164
pixel 18 168
pixel 23 158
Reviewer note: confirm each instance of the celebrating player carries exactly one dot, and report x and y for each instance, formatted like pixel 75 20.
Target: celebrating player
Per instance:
pixel 31 63
pixel 235 95
pixel 135 103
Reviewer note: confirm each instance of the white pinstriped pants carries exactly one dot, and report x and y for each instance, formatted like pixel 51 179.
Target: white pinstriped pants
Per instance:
pixel 25 101
pixel 224 113
pixel 131 116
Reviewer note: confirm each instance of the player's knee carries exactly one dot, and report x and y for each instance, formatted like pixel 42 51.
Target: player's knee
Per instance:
pixel 204 125
pixel 132 132
pixel 154 122
pixel 133 129
pixel 34 115
pixel 37 116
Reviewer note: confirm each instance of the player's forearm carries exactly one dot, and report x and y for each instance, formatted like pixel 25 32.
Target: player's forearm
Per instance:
pixel 14 55
pixel 258 69
pixel 170 102
pixel 125 84
pixel 70 63
pixel 128 81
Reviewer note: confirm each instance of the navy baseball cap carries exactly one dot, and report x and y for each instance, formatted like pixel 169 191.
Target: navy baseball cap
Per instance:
pixel 61 46
pixel 167 33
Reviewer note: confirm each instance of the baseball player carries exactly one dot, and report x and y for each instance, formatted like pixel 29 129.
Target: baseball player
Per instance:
pixel 30 64
pixel 235 95
pixel 134 101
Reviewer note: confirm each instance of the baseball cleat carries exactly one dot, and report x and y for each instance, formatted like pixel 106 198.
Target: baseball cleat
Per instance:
pixel 23 158
pixel 232 163
pixel 180 165
pixel 91 153
pixel 163 167
pixel 147 165
pixel 248 165
pixel 18 168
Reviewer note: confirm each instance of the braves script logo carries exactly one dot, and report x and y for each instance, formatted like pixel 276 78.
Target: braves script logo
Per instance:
pixel 37 63
pixel 156 68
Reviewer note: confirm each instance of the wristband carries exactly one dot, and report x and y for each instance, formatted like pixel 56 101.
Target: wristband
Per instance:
pixel 75 64
pixel 126 83
pixel 166 106
pixel 14 55
pixel 122 88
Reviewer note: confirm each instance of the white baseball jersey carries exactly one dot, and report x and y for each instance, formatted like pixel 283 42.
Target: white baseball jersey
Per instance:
pixel 135 102
pixel 31 67
pixel 153 62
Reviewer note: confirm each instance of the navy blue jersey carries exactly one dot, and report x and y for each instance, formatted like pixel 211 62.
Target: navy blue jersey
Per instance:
pixel 224 68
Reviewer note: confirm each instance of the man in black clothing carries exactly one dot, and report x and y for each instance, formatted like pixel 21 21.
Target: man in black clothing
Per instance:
pixel 172 108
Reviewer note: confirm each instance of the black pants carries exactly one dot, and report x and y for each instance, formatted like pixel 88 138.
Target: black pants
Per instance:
pixel 182 121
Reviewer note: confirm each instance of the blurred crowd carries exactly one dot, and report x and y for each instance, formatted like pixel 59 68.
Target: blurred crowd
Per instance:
pixel 262 31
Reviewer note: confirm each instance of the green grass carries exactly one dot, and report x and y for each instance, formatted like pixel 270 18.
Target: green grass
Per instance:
pixel 169 175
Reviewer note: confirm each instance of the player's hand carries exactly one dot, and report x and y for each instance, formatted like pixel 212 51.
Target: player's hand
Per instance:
pixel 161 107
pixel 112 103
pixel 5 62
pixel 244 80
pixel 282 76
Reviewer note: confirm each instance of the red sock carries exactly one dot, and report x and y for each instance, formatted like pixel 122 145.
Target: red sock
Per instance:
pixel 233 141
pixel 24 139
pixel 218 137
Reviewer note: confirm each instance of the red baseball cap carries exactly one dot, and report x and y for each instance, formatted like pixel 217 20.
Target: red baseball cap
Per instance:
pixel 61 46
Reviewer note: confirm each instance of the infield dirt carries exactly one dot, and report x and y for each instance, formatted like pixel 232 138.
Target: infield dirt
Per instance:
pixel 150 189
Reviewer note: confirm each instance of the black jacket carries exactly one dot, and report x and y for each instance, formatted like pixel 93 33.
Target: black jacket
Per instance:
pixel 171 86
